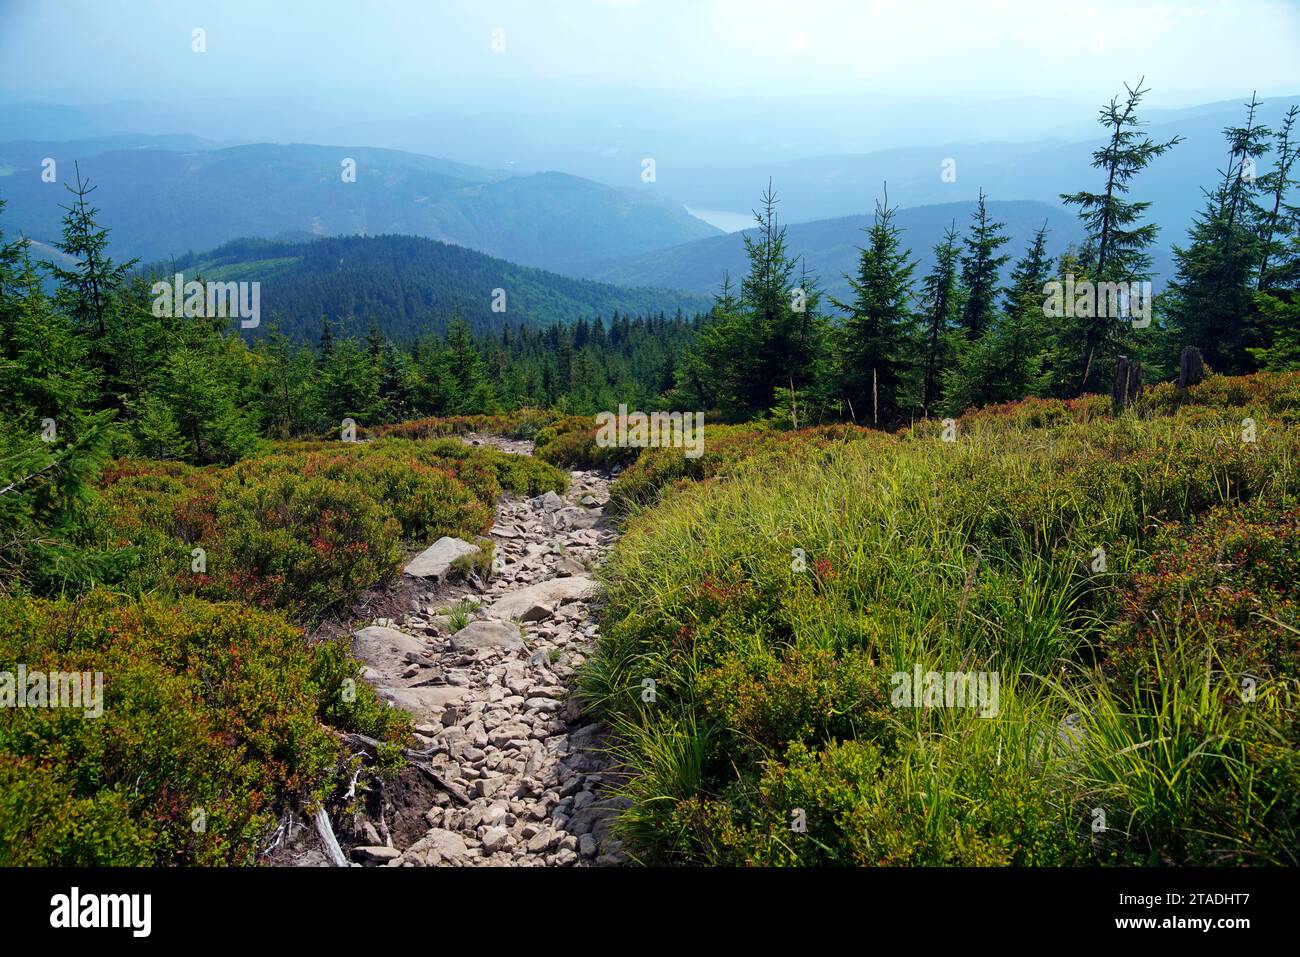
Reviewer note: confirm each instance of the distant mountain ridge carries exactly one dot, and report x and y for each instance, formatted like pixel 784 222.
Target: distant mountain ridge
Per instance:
pixel 161 202
pixel 830 247
pixel 830 185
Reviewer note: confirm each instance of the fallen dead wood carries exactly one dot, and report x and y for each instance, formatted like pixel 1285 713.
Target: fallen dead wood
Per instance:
pixel 326 831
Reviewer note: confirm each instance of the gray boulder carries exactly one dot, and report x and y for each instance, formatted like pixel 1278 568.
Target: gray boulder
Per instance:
pixel 549 594
pixel 487 634
pixel 436 560
pixel 548 502
pixel 377 643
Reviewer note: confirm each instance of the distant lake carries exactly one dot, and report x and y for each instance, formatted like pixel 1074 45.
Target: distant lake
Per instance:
pixel 725 220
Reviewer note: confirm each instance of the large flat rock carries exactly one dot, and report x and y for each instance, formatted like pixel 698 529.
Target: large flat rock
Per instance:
pixel 377 643
pixel 573 517
pixel 548 594
pixel 436 560
pixel 487 634
pixel 423 700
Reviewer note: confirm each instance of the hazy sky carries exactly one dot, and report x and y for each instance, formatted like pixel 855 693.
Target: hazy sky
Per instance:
pixel 429 52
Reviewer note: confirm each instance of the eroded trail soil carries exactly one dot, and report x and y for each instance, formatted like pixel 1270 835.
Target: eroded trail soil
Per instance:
pixel 513 773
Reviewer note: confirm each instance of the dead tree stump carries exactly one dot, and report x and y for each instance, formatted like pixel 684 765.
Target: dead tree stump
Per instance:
pixel 1128 384
pixel 1191 368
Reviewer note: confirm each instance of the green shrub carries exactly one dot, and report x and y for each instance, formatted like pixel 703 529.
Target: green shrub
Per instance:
pixel 308 526
pixel 210 728
pixel 577 449
pixel 303 545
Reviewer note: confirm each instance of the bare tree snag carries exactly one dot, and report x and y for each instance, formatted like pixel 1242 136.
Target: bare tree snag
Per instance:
pixel 1128 384
pixel 1191 368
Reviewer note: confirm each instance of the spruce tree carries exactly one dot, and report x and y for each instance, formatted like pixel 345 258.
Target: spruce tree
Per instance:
pixel 1018 332
pixel 87 288
pixel 981 270
pixel 326 348
pixel 288 384
pixel 1118 240
pixel 92 293
pixel 877 336
pixel 1212 292
pixel 349 384
pixel 1275 226
pixel 396 383
pixel 939 312
pixel 760 342
pixel 44 371
pixel 473 390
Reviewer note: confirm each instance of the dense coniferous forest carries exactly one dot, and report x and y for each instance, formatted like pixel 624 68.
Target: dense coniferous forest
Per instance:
pixel 411 285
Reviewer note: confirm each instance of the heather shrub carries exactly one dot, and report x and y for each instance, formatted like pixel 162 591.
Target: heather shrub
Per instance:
pixel 210 729
pixel 306 527
pixel 303 545
pixel 576 448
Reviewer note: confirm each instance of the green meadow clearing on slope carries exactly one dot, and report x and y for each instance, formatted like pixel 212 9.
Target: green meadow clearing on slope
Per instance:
pixel 1130 580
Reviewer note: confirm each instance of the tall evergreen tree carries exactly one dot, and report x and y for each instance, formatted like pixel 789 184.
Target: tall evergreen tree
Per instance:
pixel 761 344
pixel 87 288
pixel 981 270
pixel 1018 332
pixel 43 368
pixel 288 377
pixel 1118 240
pixel 349 385
pixel 1275 225
pixel 1212 292
pixel 90 292
pixel 939 310
pixel 878 332
pixel 326 347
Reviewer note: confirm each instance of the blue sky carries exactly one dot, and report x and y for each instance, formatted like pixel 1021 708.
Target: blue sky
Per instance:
pixel 404 53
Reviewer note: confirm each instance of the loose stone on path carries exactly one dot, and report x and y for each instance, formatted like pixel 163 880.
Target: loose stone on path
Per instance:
pixel 492 700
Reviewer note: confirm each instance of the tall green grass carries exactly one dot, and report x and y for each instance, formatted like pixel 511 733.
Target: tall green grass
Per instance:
pixel 770 596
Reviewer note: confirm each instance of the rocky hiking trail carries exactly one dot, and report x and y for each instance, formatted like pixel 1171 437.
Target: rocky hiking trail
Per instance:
pixel 505 770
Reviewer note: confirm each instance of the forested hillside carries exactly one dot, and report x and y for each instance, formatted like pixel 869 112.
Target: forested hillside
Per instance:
pixel 411 287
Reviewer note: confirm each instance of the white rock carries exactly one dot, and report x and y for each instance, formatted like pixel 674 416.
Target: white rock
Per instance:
pixel 494 838
pixel 436 560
